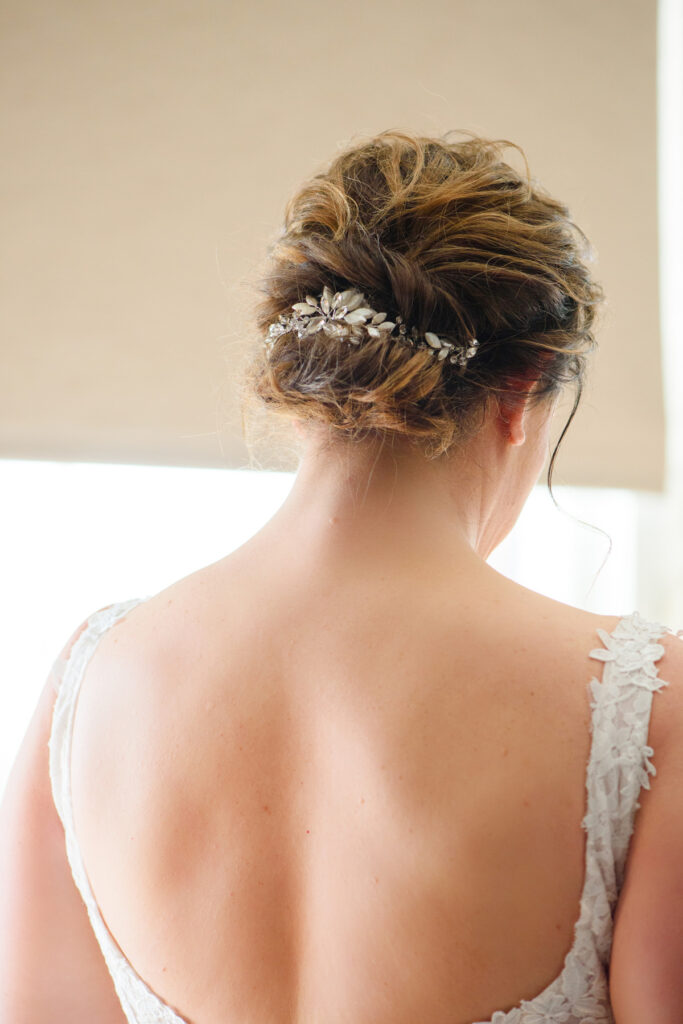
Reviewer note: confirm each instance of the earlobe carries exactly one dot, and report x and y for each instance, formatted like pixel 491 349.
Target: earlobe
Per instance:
pixel 517 433
pixel 515 405
pixel 512 420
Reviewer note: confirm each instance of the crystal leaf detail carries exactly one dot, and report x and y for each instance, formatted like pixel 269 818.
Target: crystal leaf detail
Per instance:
pixel 346 315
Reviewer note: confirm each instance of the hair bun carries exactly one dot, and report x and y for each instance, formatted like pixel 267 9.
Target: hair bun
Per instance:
pixel 449 241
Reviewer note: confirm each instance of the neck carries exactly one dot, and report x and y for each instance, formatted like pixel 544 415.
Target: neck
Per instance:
pixel 363 500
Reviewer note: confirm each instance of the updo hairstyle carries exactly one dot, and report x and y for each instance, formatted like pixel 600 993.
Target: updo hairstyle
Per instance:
pixel 455 241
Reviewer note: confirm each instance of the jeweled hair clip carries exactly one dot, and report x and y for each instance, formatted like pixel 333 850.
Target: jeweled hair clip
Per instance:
pixel 347 316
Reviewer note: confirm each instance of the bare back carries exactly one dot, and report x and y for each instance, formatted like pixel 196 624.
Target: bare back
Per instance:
pixel 338 797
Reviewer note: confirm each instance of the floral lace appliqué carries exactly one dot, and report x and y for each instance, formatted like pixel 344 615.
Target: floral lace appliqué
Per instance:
pixel 619 765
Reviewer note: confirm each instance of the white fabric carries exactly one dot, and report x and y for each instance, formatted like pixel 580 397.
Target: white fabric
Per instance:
pixel 618 766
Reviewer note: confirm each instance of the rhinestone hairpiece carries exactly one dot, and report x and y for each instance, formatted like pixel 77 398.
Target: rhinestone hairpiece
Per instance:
pixel 346 315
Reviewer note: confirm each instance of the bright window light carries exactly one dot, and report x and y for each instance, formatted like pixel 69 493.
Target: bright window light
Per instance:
pixel 78 536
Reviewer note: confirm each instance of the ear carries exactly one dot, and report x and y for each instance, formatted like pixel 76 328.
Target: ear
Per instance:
pixel 513 408
pixel 513 422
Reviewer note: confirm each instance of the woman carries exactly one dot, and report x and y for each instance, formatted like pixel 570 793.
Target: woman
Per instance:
pixel 349 773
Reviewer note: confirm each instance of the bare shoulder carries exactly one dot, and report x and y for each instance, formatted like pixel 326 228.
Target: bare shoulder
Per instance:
pixel 645 979
pixel 667 708
pixel 646 982
pixel 555 629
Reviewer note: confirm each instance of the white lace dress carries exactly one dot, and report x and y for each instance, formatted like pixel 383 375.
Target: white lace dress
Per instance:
pixel 617 768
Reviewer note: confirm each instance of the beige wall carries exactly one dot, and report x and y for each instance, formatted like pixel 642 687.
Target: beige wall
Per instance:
pixel 148 151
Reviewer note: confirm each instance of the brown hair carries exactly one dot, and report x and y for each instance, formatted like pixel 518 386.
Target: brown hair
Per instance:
pixel 452 238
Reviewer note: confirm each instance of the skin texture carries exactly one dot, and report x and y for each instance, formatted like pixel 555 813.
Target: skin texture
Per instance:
pixel 344 771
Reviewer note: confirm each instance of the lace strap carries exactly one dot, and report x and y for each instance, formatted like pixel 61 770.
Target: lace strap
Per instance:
pixel 620 763
pixel 69 675
pixel 139 1003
